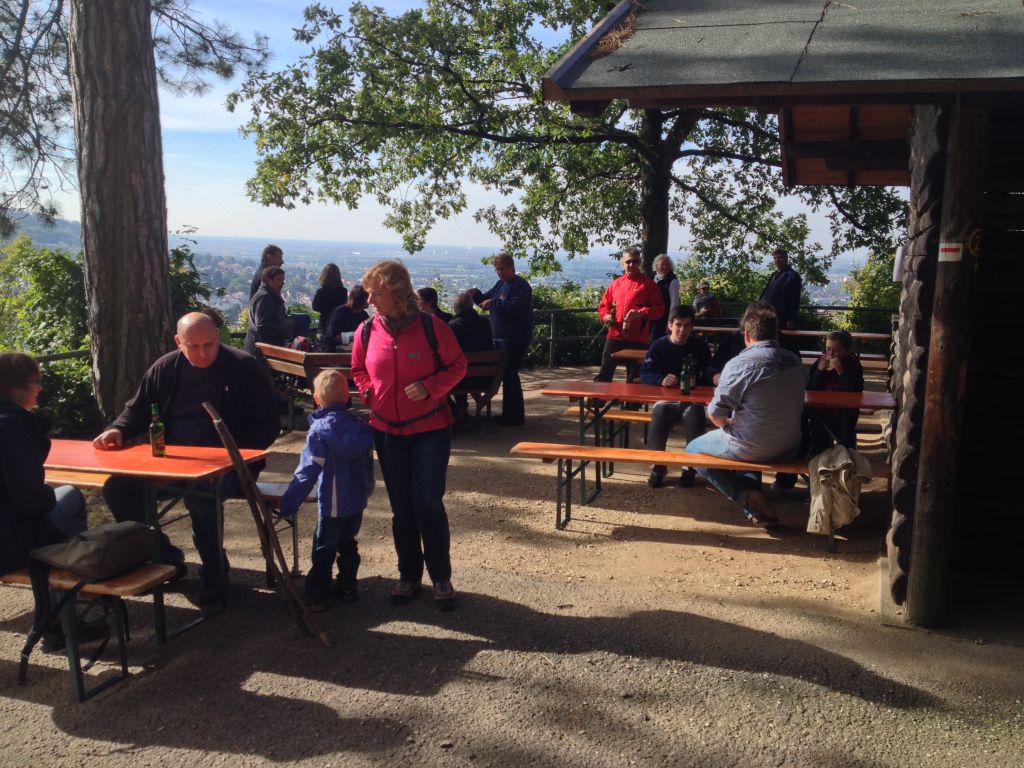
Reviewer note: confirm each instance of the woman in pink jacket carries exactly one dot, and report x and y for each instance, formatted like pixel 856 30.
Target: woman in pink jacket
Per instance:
pixel 404 364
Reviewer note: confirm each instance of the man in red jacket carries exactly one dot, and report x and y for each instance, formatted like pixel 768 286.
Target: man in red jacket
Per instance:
pixel 628 306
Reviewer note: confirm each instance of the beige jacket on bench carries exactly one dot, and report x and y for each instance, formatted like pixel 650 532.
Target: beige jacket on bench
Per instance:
pixel 836 477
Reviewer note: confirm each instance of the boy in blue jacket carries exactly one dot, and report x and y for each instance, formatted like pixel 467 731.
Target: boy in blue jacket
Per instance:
pixel 338 453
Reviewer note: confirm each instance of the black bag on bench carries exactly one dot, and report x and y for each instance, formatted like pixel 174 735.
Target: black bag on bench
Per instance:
pixel 103 551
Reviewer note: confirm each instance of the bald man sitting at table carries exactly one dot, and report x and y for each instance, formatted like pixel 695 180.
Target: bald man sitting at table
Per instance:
pixel 200 370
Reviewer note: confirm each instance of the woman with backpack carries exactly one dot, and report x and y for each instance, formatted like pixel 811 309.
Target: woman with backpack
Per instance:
pixel 404 363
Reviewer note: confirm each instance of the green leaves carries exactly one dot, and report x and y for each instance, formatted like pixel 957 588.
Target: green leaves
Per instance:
pixel 407 108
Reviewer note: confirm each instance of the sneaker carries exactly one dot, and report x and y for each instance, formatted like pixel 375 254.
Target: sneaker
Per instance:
pixel 444 594
pixel 687 477
pixel 655 479
pixel 758 510
pixel 404 591
pixel 316 604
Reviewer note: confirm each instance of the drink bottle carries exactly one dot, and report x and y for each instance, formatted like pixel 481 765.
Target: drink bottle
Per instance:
pixel 156 433
pixel 684 376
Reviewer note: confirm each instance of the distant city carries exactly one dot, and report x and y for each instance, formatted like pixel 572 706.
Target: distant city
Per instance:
pixel 227 264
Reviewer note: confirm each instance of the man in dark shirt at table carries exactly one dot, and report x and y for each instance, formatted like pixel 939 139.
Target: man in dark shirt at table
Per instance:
pixel 662 366
pixel 200 370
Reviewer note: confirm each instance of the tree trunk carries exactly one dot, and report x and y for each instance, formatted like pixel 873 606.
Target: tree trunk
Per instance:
pixel 121 178
pixel 656 183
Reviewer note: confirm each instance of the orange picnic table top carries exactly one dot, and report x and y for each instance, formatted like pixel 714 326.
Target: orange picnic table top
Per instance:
pixel 182 462
pixel 649 393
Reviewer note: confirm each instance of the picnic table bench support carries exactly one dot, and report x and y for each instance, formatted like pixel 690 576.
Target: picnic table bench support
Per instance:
pixel 563 490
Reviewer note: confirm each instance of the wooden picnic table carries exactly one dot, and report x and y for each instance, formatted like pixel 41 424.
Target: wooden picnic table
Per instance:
pixel 77 462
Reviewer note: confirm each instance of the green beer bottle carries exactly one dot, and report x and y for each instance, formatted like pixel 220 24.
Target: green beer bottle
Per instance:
pixel 156 433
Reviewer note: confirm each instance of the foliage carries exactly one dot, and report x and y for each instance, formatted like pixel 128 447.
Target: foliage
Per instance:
pixel 189 292
pixel 44 299
pixel 582 350
pixel 334 127
pixel 43 311
pixel 36 148
pixel 872 286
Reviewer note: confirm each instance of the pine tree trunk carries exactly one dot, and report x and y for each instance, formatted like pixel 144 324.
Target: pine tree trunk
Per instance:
pixel 656 182
pixel 121 178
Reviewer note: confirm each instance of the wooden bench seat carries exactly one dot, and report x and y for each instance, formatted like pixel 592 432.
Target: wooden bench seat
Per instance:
pixel 94 480
pixel 273 492
pixel 146 578
pixel 567 454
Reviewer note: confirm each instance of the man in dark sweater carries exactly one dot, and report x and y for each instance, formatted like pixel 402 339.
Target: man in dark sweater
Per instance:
pixel 200 370
pixel 783 292
pixel 665 360
pixel 510 302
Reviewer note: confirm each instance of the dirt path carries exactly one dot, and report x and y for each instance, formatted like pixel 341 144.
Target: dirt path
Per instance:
pixel 659 629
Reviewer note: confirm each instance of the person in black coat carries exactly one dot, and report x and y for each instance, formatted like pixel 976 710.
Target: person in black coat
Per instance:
pixel 473 332
pixel 346 318
pixel 428 304
pixel 272 256
pixel 268 318
pixel 31 513
pixel 331 294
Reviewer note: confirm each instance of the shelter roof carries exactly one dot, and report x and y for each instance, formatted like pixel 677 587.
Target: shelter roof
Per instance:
pixel 785 51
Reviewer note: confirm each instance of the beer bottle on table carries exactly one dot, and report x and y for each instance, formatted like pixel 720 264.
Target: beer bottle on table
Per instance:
pixel 684 376
pixel 692 372
pixel 156 433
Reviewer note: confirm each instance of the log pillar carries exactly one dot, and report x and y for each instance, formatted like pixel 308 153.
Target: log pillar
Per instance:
pixel 949 345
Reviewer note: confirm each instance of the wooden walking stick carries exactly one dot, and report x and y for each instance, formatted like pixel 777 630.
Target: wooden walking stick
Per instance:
pixel 270 545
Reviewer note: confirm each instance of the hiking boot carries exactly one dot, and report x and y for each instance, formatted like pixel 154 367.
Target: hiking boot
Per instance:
pixel 444 594
pixel 346 591
pixel 687 477
pixel 655 479
pixel 404 591
pixel 316 604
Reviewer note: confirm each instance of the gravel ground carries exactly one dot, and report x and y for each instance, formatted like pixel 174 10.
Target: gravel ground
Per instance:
pixel 659 629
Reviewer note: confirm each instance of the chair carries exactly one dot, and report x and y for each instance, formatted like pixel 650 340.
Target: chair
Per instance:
pixel 277 565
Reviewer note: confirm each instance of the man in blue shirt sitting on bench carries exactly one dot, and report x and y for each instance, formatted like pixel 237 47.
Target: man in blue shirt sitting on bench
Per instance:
pixel 757 406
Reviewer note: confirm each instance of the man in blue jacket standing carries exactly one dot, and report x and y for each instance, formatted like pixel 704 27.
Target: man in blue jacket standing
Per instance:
pixel 510 303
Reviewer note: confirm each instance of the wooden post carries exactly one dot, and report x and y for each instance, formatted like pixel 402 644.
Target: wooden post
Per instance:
pixel 959 248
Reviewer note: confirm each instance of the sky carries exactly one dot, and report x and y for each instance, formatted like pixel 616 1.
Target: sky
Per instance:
pixel 207 161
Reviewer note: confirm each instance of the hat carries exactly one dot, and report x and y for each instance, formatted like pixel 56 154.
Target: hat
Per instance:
pixel 705 284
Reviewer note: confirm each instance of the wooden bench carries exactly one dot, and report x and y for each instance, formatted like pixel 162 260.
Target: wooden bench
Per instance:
pixel 483 378
pixel 624 419
pixel 567 455
pixel 144 579
pixel 298 370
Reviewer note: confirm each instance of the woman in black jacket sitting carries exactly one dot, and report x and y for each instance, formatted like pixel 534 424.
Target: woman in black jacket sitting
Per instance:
pixel 31 513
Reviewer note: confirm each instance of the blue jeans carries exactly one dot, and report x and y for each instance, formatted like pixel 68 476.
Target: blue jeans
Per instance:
pixel 125 497
pixel 335 537
pixel 732 484
pixel 68 514
pixel 415 468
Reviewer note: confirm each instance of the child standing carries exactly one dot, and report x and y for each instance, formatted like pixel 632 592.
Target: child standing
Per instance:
pixel 338 453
